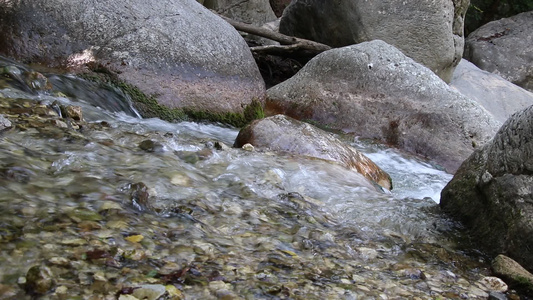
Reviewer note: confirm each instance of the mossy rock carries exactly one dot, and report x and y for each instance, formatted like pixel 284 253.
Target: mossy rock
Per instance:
pixel 513 273
pixel 148 106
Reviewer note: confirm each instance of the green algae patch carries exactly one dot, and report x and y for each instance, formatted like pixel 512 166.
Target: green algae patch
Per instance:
pixel 252 111
pixel 148 106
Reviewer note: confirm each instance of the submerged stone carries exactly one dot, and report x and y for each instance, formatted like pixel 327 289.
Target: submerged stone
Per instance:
pixel 39 280
pixel 151 146
pixel 80 214
pixel 74 112
pixel 139 196
pixel 149 291
pixel 4 122
pixel 284 134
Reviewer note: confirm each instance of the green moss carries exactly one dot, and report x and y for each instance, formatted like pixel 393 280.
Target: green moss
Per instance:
pixel 252 111
pixel 523 283
pixel 148 106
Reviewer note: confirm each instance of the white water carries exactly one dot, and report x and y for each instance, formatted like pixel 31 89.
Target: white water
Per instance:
pixel 411 177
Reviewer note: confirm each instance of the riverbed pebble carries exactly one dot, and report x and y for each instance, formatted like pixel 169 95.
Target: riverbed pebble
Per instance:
pixel 494 284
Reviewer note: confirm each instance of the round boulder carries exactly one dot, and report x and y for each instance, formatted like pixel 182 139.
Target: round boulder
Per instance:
pixel 492 192
pixel 284 134
pixel 176 50
pixel 504 47
pixel 430 32
pixel 374 91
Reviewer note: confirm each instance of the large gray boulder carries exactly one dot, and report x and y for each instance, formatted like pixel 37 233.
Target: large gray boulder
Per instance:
pixel 430 32
pixel 284 134
pixel 492 192
pixel 497 95
pixel 505 47
pixel 374 91
pixel 174 49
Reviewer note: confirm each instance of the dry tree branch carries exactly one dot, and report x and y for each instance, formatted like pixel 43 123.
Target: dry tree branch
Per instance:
pixel 289 45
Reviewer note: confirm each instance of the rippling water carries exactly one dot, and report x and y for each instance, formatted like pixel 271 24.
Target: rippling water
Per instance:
pixel 267 225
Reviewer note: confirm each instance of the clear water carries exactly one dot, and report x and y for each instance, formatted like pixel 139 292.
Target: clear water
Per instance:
pixel 271 225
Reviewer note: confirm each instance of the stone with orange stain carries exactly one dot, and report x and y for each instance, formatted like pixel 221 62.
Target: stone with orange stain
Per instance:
pixel 282 133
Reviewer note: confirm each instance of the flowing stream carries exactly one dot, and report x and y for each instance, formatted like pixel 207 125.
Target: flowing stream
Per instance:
pixel 123 202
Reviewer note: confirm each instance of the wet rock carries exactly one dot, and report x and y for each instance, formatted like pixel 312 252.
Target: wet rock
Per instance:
pixel 139 196
pixel 222 290
pixel 29 211
pixel 493 284
pixel 117 224
pixel 204 153
pixel 136 238
pixel 430 32
pixel 180 179
pixel 81 214
pixel 59 123
pixel 73 112
pixel 247 147
pixel 188 156
pixel 477 292
pixel 4 122
pixel 513 273
pixel 11 71
pixel 149 291
pixel 151 146
pixel 367 253
pixel 504 47
pixel 492 192
pixel 374 91
pixel 37 81
pixel 73 242
pixel 60 261
pixel 284 134
pixel 39 280
pixel 174 293
pixel 86 226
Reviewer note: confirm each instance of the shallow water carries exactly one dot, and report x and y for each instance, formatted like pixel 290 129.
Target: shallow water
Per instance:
pixel 214 222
